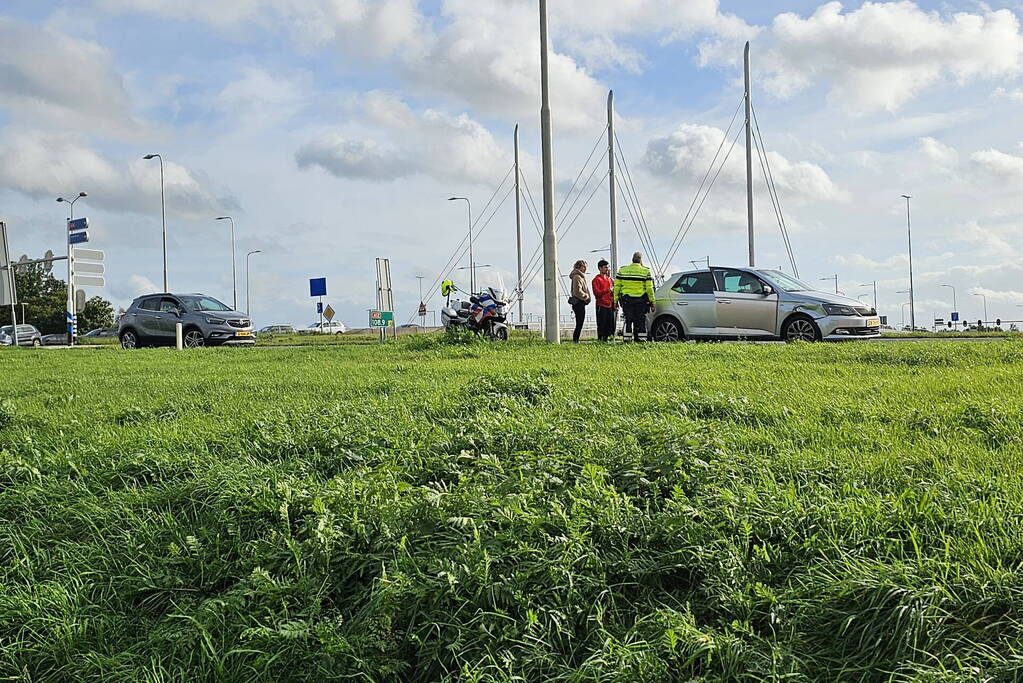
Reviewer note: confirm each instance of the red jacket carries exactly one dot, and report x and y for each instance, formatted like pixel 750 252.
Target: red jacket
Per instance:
pixel 602 287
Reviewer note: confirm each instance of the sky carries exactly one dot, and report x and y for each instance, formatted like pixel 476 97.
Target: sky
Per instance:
pixel 334 131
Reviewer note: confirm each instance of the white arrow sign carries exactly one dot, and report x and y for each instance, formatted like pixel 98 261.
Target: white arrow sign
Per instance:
pixel 89 280
pixel 88 254
pixel 88 267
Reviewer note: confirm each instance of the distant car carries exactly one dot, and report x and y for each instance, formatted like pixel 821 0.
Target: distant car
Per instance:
pixel 152 319
pixel 277 329
pixel 28 335
pixel 101 332
pixel 55 339
pixel 751 303
pixel 332 327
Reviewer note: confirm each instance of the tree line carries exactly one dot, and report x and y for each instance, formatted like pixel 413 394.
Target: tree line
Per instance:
pixel 45 303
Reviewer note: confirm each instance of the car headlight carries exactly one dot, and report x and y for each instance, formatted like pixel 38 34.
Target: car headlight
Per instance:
pixel 215 321
pixel 839 309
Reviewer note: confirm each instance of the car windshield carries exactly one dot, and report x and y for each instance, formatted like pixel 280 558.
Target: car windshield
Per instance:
pixel 787 282
pixel 198 304
pixel 7 329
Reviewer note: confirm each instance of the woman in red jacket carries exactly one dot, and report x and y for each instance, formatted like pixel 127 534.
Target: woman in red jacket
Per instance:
pixel 603 285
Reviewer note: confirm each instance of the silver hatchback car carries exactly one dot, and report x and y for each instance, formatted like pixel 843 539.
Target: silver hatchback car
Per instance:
pixel 750 303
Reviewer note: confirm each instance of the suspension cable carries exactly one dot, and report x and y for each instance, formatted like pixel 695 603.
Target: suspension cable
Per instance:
pixel 631 187
pixel 773 187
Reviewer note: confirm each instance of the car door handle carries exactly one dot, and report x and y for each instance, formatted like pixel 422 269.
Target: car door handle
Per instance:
pixel 725 301
pixel 681 303
pixel 158 317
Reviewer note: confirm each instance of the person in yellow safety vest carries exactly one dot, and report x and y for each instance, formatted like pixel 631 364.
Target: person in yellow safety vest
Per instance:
pixel 634 290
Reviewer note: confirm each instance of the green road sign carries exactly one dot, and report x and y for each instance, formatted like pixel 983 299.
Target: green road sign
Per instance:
pixel 381 318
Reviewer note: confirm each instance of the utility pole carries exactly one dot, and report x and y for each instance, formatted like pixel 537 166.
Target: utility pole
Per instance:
pixel 909 233
pixel 611 178
pixel 874 285
pixel 550 242
pixel 749 158
pixel 518 222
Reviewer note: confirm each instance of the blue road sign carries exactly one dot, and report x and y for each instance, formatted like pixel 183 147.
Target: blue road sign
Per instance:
pixel 955 317
pixel 78 224
pixel 319 307
pixel 318 286
pixel 78 237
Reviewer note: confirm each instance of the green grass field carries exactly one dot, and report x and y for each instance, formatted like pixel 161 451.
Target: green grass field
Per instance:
pixel 421 512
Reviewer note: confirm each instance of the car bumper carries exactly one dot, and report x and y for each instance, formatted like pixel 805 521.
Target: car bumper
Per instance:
pixel 231 336
pixel 839 327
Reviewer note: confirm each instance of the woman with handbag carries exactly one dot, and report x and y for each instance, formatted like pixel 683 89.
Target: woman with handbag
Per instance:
pixel 580 296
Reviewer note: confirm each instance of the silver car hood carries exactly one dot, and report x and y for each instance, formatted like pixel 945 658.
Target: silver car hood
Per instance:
pixel 825 298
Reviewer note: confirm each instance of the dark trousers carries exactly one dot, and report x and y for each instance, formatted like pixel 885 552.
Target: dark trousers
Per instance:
pixel 580 316
pixel 605 323
pixel 635 309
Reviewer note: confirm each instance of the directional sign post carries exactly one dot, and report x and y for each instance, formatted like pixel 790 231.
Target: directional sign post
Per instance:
pixel 89 280
pixel 89 255
pixel 78 237
pixel 318 287
pixel 88 267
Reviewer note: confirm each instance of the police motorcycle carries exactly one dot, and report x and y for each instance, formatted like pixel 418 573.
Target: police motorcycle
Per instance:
pixel 482 313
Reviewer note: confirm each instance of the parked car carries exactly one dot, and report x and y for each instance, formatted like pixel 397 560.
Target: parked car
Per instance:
pixel 28 335
pixel 55 339
pixel 151 320
pixel 101 332
pixel 277 329
pixel 750 303
pixel 332 327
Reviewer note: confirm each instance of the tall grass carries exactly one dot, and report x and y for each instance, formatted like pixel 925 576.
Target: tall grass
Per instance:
pixel 424 511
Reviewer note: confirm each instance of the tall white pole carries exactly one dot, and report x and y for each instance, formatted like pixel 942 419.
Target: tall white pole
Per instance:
pixel 234 259
pixel 749 159
pixel 163 221
pixel 909 233
pixel 550 243
pixel 611 178
pixel 518 223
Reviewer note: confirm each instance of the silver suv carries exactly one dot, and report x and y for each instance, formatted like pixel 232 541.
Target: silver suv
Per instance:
pixel 151 320
pixel 750 303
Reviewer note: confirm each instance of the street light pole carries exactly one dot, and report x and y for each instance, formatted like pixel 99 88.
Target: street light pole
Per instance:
pixel 234 274
pixel 954 307
pixel 163 219
pixel 472 271
pixel 909 234
pixel 72 313
pixel 422 315
pixel 248 307
pixel 874 285
pixel 982 296
pixel 835 278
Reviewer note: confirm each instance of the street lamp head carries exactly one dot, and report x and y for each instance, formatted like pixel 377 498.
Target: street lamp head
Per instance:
pixel 223 218
pixel 150 156
pixel 907 196
pixel 83 194
pixel 61 199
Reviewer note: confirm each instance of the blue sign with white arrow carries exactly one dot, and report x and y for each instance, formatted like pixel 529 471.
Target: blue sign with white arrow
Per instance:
pixel 78 237
pixel 78 224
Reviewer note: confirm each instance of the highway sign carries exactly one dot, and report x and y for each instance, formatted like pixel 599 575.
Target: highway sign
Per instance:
pixel 78 224
pixel 328 313
pixel 86 267
pixel 89 254
pixel 955 317
pixel 381 318
pixel 89 280
pixel 78 237
pixel 318 286
pixel 422 309
pixel 319 307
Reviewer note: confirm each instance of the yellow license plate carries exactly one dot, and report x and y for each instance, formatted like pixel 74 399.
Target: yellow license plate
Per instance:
pixel 874 322
pixel 243 334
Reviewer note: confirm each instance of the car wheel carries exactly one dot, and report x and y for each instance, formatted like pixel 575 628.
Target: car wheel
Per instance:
pixel 193 339
pixel 801 328
pixel 339 333
pixel 667 330
pixel 129 340
pixel 37 342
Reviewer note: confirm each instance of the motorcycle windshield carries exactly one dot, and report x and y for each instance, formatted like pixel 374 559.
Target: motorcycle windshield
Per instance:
pixel 491 282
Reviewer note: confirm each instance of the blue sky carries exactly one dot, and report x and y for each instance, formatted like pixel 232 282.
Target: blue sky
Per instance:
pixel 334 130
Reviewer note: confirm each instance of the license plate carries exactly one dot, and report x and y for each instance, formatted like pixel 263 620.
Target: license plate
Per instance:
pixel 874 322
pixel 243 334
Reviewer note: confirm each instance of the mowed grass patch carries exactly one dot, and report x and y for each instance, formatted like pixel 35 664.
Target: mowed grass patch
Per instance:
pixel 423 511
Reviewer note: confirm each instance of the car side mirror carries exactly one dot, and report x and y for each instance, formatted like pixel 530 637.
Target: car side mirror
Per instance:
pixel 768 290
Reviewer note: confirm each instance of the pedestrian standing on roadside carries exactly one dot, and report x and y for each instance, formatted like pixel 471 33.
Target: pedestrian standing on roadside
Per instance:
pixel 603 288
pixel 580 297
pixel 634 290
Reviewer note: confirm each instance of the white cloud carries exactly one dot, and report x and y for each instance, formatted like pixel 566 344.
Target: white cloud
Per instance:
pixel 882 54
pixel 50 78
pixel 687 154
pixel 431 143
pixel 998 165
pixel 44 165
pixel 941 155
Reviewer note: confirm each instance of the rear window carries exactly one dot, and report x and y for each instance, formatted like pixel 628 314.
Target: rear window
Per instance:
pixel 150 304
pixel 695 283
